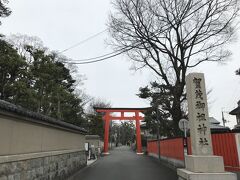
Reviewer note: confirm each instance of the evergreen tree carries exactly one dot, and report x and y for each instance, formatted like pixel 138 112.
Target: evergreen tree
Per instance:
pixel 12 73
pixel 54 89
pixel 4 11
pixel 42 85
pixel 160 115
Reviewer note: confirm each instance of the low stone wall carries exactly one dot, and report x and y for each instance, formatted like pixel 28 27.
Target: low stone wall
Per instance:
pixel 170 162
pixel 55 165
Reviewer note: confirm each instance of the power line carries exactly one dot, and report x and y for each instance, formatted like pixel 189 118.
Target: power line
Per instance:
pixel 101 59
pixel 83 41
pixel 97 57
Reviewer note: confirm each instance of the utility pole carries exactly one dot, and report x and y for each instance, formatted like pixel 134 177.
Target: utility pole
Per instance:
pixel 223 119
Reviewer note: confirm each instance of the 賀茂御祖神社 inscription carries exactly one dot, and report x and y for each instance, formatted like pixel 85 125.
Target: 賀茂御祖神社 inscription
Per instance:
pixel 198 114
pixel 200 105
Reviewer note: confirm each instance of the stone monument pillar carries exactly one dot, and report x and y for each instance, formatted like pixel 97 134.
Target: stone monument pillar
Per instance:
pixel 202 164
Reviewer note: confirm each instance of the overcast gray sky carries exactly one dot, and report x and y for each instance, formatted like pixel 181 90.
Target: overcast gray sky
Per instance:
pixel 61 24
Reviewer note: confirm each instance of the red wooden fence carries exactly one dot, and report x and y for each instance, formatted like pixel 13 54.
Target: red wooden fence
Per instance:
pixel 152 147
pixel 172 148
pixel 223 145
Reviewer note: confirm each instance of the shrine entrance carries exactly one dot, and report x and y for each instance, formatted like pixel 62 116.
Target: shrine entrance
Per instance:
pixel 107 117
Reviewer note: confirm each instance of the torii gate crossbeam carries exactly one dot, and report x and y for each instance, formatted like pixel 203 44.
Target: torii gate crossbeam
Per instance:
pixel 107 118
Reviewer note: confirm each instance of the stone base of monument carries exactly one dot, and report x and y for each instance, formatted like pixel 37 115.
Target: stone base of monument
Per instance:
pixel 210 164
pixel 184 174
pixel 204 168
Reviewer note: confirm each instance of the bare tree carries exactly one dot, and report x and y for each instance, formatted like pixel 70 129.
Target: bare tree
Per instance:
pixel 97 102
pixel 20 41
pixel 171 36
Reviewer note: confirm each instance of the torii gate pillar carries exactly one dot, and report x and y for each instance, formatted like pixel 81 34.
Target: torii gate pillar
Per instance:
pixel 106 133
pixel 138 134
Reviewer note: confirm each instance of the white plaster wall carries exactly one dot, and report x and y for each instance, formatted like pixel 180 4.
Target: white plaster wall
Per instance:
pixel 19 137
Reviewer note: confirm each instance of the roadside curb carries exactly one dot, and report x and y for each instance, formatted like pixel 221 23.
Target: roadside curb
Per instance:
pixel 83 169
pixel 92 162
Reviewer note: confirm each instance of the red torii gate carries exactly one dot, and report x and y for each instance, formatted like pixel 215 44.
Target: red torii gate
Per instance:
pixel 107 117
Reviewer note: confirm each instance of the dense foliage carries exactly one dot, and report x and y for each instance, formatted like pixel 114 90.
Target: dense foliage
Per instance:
pixel 4 10
pixel 43 84
pixel 160 115
pixel 123 133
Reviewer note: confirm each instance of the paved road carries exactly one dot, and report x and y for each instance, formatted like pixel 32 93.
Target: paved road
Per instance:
pixel 124 164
